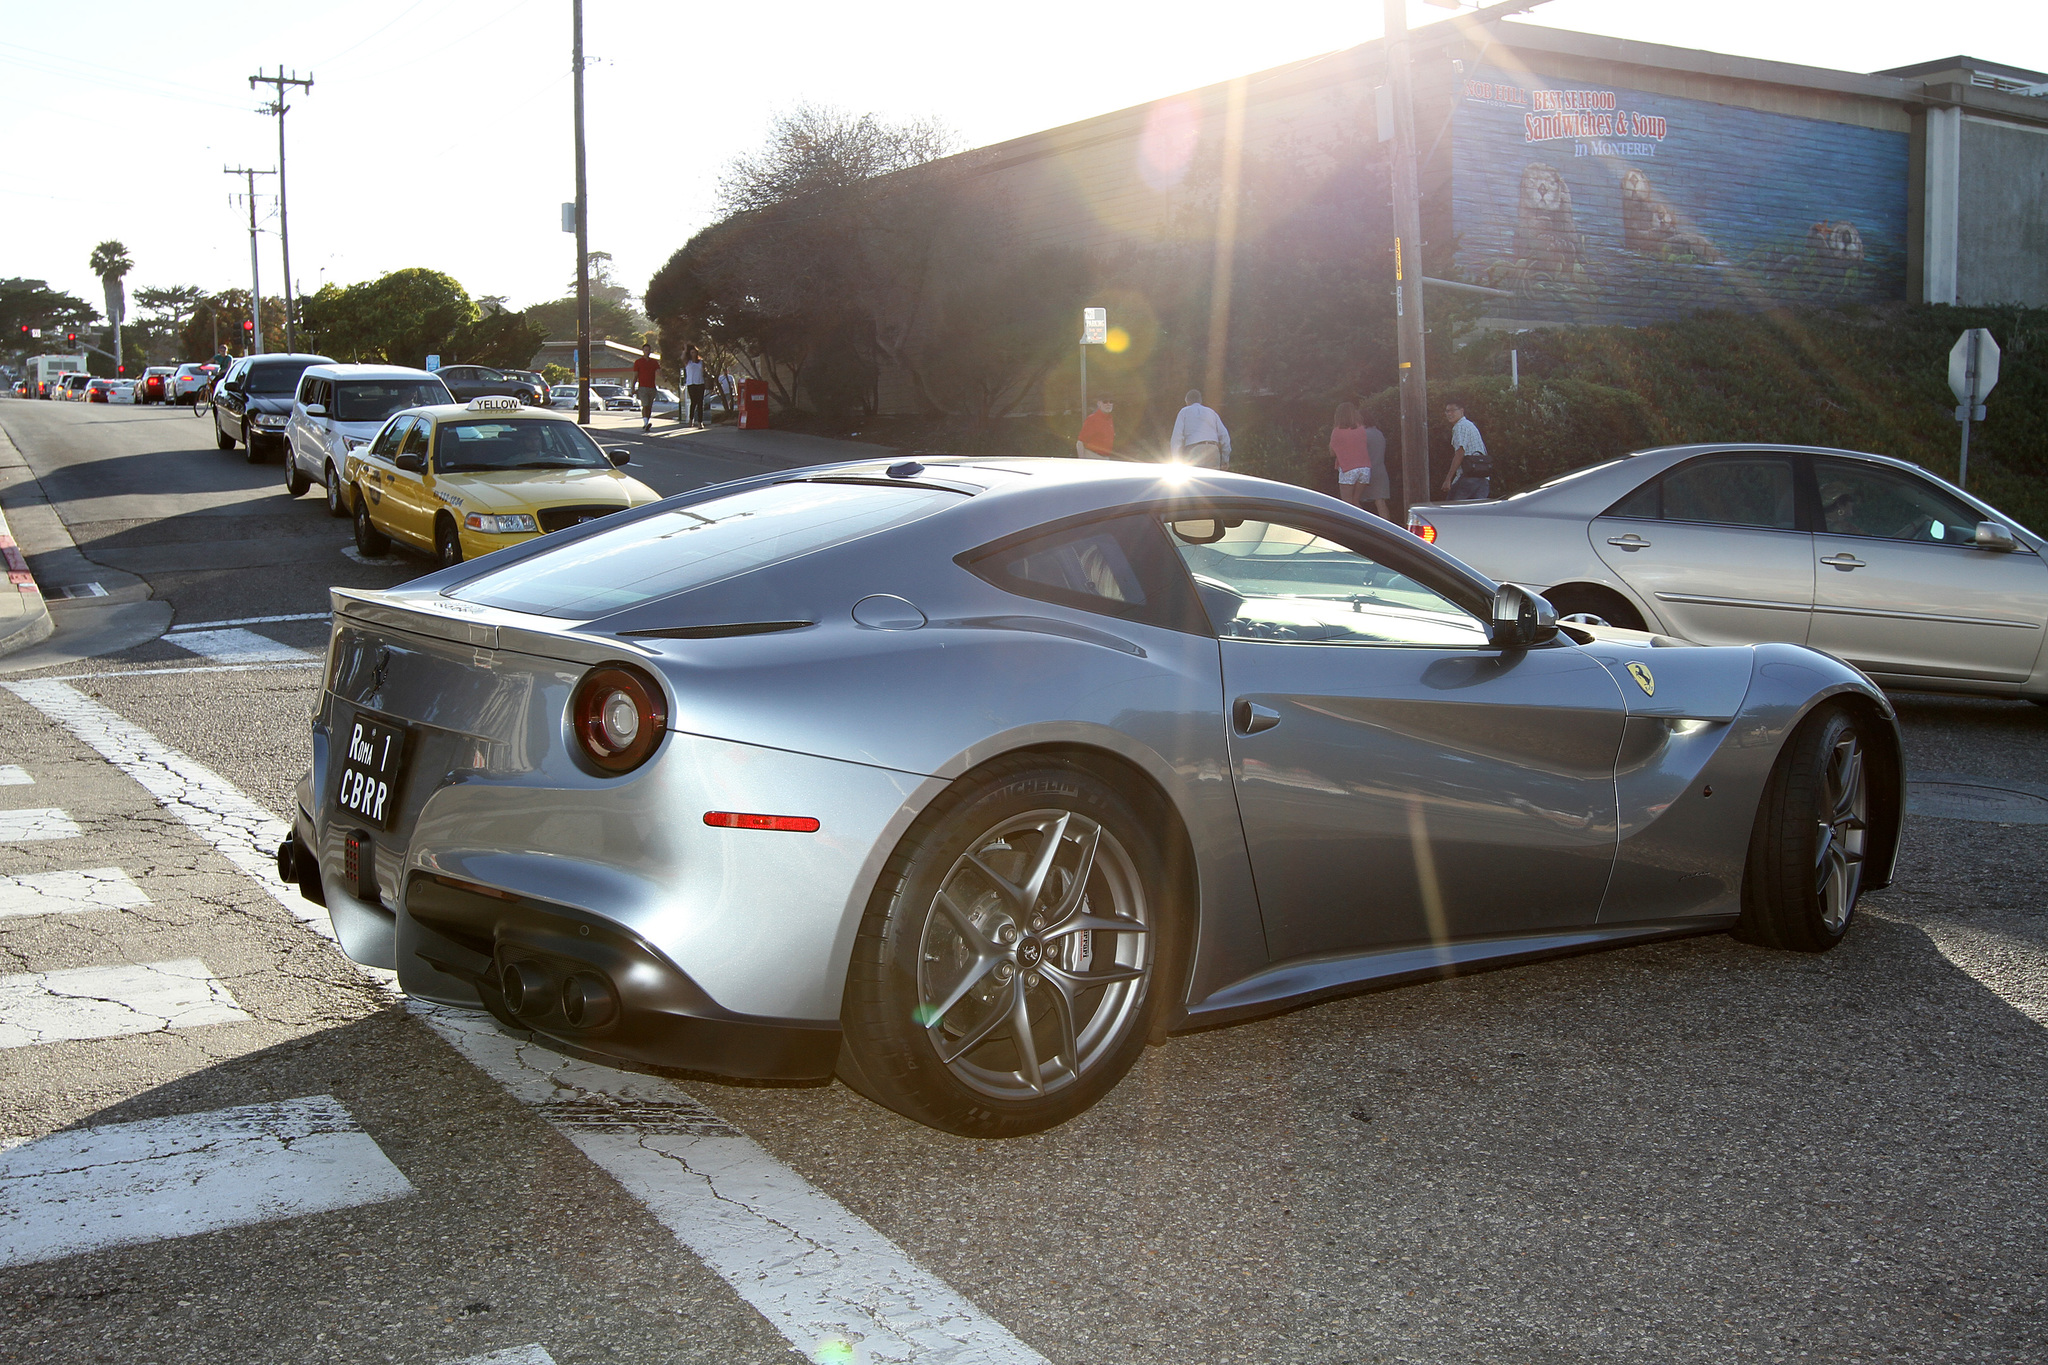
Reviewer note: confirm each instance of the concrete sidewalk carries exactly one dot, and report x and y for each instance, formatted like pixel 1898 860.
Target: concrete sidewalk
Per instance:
pixel 24 616
pixel 774 449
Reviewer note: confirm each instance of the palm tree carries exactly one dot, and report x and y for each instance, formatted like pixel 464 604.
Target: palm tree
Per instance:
pixel 110 262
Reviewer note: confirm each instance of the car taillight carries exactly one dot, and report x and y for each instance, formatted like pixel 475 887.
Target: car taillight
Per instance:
pixel 1422 526
pixel 618 713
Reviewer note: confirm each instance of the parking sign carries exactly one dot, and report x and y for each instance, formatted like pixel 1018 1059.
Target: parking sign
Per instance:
pixel 1094 326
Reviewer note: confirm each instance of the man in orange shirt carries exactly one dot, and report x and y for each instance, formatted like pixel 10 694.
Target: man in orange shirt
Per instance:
pixel 1097 440
pixel 646 373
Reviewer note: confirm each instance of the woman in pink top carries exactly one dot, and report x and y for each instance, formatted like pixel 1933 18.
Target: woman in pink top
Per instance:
pixel 1353 450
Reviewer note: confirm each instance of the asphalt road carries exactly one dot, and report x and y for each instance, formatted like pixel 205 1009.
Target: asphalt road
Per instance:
pixel 1691 1151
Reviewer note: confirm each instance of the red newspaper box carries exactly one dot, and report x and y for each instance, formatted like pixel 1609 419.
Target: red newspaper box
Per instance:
pixel 753 404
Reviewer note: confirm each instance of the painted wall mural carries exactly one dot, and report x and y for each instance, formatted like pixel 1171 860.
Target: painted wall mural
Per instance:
pixel 1596 205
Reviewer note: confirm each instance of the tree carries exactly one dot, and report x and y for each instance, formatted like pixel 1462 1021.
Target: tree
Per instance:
pixel 609 321
pixel 110 262
pixel 32 303
pixel 400 318
pixel 217 320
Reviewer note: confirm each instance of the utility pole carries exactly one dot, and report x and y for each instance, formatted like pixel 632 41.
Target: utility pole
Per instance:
pixel 278 107
pixel 582 236
pixel 1408 320
pixel 255 279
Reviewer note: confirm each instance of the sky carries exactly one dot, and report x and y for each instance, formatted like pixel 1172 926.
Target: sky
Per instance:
pixel 438 133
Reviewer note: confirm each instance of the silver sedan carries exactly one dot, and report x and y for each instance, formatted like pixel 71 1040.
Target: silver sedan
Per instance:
pixel 965 780
pixel 1871 559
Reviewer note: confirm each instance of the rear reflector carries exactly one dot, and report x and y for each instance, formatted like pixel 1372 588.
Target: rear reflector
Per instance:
pixel 726 819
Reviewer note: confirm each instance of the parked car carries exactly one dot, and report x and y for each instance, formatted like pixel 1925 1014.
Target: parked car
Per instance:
pixel 1034 767
pixel 156 385
pixel 464 480
pixel 1874 560
pixel 563 396
pixel 191 380
pixel 337 410
pixel 611 397
pixel 482 381
pixel 252 403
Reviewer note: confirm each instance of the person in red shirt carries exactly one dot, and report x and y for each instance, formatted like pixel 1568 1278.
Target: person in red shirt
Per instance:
pixel 1097 440
pixel 646 370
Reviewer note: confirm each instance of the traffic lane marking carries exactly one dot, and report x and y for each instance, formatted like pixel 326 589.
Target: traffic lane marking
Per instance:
pixel 511 1355
pixel 825 1279
pixel 69 893
pixel 11 775
pixel 129 1183
pixel 831 1284
pixel 248 621
pixel 26 826
pixel 236 646
pixel 77 1003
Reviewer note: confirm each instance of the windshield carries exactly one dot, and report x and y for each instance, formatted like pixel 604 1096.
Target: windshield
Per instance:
pixel 273 379
pixel 692 546
pixel 372 400
pixel 515 443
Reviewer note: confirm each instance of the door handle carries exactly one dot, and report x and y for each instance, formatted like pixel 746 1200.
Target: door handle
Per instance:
pixel 1631 541
pixel 1843 561
pixel 1249 717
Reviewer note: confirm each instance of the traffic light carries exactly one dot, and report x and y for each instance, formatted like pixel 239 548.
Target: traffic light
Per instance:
pixel 71 338
pixel 248 327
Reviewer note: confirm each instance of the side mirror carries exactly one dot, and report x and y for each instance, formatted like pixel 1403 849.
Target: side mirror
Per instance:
pixel 619 454
pixel 411 460
pixel 1993 535
pixel 316 410
pixel 1522 618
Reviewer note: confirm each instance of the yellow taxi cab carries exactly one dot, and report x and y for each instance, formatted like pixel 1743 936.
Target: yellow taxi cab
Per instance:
pixel 463 479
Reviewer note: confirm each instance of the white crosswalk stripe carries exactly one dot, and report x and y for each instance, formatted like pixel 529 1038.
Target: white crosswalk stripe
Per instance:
pixel 22 826
pixel 69 893
pixel 511 1355
pixel 235 646
pixel 129 1183
pixel 12 775
pixel 111 1002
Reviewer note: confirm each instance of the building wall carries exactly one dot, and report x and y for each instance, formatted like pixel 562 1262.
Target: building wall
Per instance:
pixel 2001 221
pixel 1611 204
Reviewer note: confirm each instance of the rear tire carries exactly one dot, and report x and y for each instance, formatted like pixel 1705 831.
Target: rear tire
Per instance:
pixel 369 540
pixel 1805 870
pixel 976 1002
pixel 1588 599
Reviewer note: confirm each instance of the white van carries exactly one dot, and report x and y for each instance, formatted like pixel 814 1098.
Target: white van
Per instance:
pixel 340 407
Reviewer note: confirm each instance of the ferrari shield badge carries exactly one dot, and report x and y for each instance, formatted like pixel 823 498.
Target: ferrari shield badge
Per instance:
pixel 1641 673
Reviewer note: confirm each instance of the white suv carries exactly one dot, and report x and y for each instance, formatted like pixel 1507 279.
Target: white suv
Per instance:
pixel 339 408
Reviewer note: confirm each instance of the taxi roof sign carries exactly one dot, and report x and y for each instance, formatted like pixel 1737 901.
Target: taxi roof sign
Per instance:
pixel 495 405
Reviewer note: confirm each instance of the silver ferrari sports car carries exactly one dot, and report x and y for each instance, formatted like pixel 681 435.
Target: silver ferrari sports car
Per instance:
pixel 1871 559
pixel 964 779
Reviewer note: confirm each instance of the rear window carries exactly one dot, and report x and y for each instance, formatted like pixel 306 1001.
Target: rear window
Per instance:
pixel 274 379
pixel 691 546
pixel 372 400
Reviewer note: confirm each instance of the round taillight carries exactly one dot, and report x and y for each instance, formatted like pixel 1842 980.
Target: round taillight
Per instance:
pixel 618 713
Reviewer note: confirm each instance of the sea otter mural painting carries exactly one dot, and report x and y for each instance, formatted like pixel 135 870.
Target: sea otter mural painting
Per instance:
pixel 1604 205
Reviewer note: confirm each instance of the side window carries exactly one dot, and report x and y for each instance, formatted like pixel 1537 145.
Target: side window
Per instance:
pixel 308 388
pixel 386 444
pixel 416 438
pixel 1645 504
pixel 1265 580
pixel 1869 500
pixel 1117 567
pixel 1733 492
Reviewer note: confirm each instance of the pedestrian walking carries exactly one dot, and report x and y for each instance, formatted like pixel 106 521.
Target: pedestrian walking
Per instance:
pixel 1361 455
pixel 646 371
pixel 1381 490
pixel 1097 440
pixel 1471 476
pixel 693 384
pixel 1199 436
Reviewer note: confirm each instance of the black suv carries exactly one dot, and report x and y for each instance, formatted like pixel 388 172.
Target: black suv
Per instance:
pixel 252 402
pixel 481 381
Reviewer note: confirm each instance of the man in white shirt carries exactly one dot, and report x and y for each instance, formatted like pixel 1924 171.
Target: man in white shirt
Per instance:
pixel 693 386
pixel 1199 436
pixel 1471 476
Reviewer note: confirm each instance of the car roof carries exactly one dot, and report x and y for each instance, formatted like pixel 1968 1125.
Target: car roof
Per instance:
pixel 367 371
pixel 288 357
pixel 448 412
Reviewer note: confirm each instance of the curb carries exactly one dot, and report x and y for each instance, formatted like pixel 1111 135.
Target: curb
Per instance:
pixel 30 623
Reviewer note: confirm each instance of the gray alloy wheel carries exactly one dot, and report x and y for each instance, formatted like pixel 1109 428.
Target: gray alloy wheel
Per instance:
pixel 1806 855
pixel 332 487
pixel 295 480
pixel 369 540
pixel 447 543
pixel 1018 952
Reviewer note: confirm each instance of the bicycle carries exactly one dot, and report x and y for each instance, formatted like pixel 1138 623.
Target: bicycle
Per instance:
pixel 202 401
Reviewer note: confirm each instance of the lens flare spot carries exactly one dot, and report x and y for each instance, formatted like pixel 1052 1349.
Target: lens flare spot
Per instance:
pixel 834 1351
pixel 1175 472
pixel 1168 143
pixel 1116 341
pixel 925 1015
